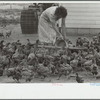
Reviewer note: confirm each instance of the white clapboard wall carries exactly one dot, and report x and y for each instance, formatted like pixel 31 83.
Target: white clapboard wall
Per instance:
pixel 82 15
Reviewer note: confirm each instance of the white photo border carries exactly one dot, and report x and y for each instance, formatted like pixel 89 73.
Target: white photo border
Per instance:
pixel 52 90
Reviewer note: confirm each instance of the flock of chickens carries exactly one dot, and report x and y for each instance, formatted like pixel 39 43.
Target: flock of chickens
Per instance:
pixel 31 61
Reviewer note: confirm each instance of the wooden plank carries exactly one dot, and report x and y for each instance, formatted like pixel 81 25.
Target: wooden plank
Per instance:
pixel 91 5
pixel 82 18
pixel 81 26
pixel 82 22
pixel 89 10
pixel 84 14
pixel 56 47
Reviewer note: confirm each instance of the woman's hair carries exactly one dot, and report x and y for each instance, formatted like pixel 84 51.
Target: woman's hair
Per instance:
pixel 61 11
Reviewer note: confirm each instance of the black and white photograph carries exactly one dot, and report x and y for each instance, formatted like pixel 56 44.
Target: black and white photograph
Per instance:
pixel 49 42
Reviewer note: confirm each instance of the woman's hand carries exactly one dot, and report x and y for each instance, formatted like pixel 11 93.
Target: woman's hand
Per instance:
pixel 59 35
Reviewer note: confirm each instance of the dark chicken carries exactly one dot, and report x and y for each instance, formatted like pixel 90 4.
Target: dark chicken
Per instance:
pixel 94 70
pixel 29 79
pixel 79 79
pixel 1 71
pixel 15 74
pixel 8 33
pixel 1 45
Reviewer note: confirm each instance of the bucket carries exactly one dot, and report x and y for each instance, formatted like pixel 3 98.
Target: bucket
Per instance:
pixel 60 43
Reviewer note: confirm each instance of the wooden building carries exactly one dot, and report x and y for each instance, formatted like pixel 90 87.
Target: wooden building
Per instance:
pixel 83 18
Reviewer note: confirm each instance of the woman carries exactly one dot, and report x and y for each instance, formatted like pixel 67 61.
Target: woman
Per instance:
pixel 47 29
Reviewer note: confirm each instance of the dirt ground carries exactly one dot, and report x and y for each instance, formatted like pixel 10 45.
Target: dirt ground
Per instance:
pixel 87 77
pixel 16 34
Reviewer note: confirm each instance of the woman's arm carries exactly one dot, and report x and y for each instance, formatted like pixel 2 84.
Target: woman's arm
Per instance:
pixel 63 28
pixel 63 33
pixel 57 30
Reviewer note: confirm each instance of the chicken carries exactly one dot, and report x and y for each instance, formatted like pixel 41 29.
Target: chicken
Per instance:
pixel 27 73
pixel 64 58
pixel 88 65
pixel 85 42
pixel 74 64
pixel 17 75
pixel 14 73
pixel 2 44
pixel 98 76
pixel 64 69
pixel 28 42
pixel 8 33
pixel 31 56
pixel 1 71
pixel 18 42
pixel 36 46
pixel 79 42
pixel 79 79
pixel 94 70
pixel 29 79
pixel 43 71
pixel 51 65
pixel 9 72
